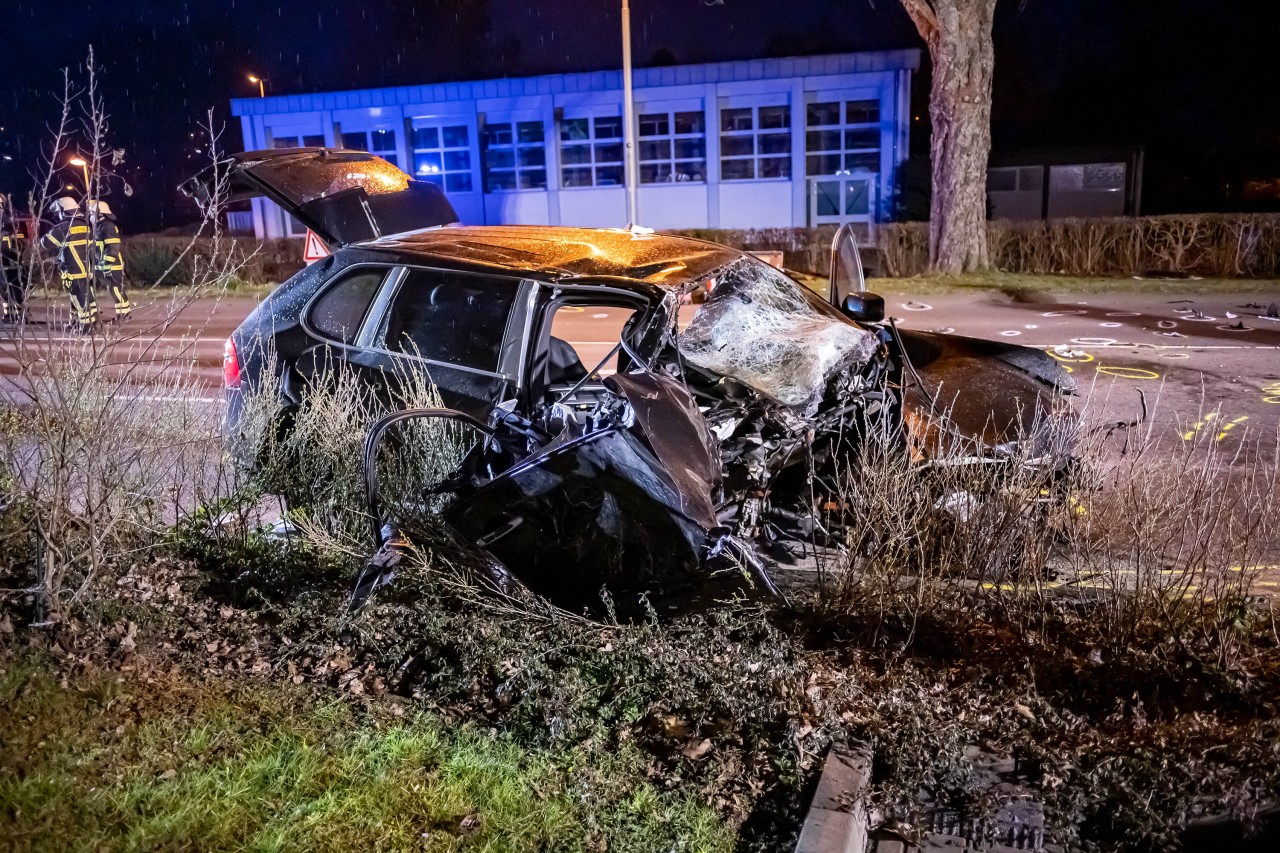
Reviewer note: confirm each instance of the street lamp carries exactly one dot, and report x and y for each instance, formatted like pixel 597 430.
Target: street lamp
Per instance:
pixel 628 118
pixel 262 91
pixel 84 168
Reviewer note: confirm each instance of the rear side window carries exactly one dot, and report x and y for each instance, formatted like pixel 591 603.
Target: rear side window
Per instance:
pixel 450 317
pixel 341 308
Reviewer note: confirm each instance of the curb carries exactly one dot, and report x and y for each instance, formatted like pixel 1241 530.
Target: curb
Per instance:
pixel 837 818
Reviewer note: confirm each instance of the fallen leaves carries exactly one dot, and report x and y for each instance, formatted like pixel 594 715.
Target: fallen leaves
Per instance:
pixel 697 749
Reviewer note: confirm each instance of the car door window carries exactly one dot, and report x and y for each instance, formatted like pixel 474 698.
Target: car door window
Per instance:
pixel 340 310
pixel 581 337
pixel 450 317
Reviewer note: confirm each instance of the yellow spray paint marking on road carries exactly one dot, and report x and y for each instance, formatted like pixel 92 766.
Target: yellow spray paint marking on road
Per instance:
pixel 1231 426
pixel 1127 372
pixel 1271 393
pixel 1191 434
pixel 1257 568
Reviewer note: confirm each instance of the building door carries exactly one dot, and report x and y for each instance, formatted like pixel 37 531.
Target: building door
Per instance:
pixel 837 199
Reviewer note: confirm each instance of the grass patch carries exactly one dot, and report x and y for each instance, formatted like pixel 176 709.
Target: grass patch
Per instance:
pixel 106 762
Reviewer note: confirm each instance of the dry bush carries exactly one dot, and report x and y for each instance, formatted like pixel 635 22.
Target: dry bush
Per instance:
pixel 314 456
pixel 1222 245
pixel 102 469
pixel 904 246
pixel 1175 534
pixel 917 530
pixel 1152 541
pixel 104 441
pixel 1218 245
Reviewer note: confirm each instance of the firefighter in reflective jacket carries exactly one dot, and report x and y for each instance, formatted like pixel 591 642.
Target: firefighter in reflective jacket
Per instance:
pixel 70 235
pixel 12 293
pixel 108 262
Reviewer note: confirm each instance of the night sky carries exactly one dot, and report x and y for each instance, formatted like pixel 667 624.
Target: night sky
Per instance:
pixel 1193 81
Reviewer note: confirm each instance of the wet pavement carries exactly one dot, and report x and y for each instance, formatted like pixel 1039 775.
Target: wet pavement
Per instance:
pixel 1209 366
pixel 1208 363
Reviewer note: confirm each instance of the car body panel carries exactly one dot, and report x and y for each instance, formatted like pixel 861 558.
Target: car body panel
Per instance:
pixel 344 197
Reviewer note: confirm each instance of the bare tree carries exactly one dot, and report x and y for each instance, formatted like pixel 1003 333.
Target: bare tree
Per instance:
pixel 958 34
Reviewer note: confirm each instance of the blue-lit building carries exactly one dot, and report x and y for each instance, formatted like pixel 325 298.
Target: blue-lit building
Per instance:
pixel 753 144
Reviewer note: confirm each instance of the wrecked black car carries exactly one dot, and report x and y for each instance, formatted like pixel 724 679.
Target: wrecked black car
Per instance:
pixel 686 454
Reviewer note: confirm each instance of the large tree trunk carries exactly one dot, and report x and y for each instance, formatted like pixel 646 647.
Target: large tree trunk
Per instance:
pixel 958 33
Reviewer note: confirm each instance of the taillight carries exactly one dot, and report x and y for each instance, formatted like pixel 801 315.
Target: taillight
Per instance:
pixel 230 365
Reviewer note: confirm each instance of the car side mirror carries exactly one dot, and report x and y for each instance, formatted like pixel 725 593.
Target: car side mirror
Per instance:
pixel 846 273
pixel 865 307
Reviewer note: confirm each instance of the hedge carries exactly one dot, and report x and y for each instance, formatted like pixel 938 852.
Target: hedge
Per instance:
pixel 1216 245
pixel 150 261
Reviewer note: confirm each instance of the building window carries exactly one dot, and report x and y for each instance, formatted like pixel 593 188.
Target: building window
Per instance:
pixel 842 137
pixel 442 155
pixel 673 147
pixel 308 141
pixel 755 142
pixel 591 152
pixel 1015 179
pixel 380 142
pixel 1088 177
pixel 515 156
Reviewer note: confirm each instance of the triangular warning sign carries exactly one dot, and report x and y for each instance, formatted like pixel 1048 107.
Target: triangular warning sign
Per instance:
pixel 315 249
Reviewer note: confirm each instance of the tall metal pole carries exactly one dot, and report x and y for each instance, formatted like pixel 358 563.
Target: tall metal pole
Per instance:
pixel 629 118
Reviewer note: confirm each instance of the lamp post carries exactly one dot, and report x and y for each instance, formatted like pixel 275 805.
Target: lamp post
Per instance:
pixel 628 117
pixel 261 81
pixel 84 169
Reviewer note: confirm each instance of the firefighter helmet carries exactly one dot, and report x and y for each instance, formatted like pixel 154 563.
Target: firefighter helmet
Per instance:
pixel 63 206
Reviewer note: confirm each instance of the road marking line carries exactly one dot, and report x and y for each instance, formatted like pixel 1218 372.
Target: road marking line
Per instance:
pixel 157 399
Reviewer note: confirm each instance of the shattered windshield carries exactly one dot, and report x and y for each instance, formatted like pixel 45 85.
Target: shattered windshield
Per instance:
pixel 764 330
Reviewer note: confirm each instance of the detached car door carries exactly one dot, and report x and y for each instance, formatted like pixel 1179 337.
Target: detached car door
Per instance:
pixel 343 196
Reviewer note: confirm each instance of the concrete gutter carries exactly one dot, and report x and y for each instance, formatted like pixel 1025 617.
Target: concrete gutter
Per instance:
pixel 837 819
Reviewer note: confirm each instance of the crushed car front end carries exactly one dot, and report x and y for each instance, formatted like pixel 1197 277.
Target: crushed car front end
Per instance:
pixel 725 444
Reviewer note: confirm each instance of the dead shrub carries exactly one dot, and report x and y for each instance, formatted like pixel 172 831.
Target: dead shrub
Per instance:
pixel 105 441
pixel 1150 547
pixel 314 458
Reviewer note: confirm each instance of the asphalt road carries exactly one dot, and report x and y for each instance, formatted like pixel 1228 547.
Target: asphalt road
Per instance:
pixel 1210 366
pixel 1208 363
pixel 1211 363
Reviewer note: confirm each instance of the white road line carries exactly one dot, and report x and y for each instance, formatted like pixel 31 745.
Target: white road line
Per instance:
pixel 127 341
pixel 163 399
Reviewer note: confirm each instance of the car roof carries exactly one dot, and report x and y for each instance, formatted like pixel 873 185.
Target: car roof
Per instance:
pixel 558 252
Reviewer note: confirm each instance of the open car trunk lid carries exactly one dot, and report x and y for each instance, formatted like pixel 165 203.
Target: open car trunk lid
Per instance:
pixel 343 196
